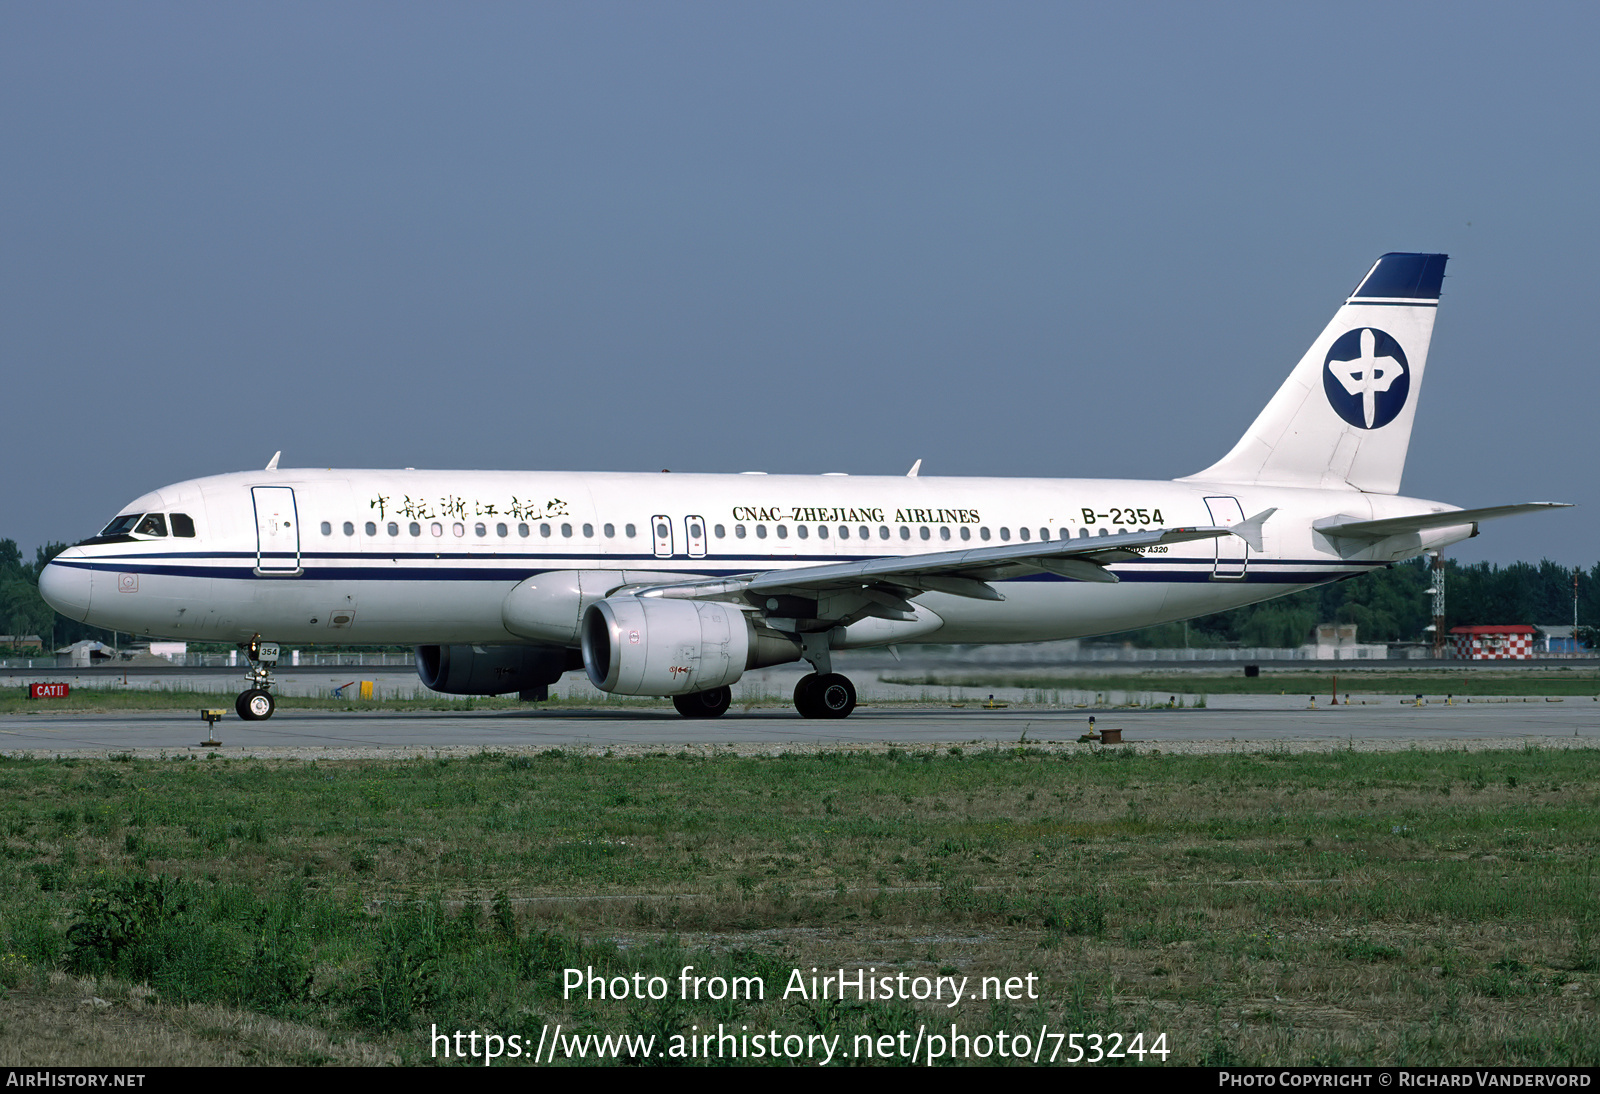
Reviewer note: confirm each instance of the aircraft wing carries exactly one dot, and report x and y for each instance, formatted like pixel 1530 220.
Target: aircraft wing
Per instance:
pixel 1393 526
pixel 959 573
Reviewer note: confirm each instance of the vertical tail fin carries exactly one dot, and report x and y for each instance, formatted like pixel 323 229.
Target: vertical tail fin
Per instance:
pixel 1343 417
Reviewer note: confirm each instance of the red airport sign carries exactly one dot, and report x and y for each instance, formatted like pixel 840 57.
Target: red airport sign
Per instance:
pixel 47 691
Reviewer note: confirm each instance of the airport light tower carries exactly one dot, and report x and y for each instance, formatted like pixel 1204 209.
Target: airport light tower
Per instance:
pixel 1436 590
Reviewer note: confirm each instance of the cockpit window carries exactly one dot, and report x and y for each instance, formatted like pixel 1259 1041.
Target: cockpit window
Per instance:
pixel 122 525
pixel 183 525
pixel 154 524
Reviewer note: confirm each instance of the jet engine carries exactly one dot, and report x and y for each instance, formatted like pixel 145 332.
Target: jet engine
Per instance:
pixel 493 670
pixel 658 646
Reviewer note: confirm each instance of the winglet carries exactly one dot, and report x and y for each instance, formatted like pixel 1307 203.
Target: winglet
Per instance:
pixel 272 464
pixel 914 469
pixel 1250 530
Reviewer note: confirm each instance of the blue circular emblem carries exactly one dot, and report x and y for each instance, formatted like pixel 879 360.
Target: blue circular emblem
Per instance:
pixel 1366 378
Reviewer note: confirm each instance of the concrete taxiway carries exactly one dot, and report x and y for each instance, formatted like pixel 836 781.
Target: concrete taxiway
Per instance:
pixel 1253 722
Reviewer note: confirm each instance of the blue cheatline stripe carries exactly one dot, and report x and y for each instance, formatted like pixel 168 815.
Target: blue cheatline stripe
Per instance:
pixel 1393 303
pixel 1309 572
pixel 103 561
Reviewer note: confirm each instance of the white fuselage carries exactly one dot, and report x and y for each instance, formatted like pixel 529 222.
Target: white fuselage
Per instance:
pixel 416 557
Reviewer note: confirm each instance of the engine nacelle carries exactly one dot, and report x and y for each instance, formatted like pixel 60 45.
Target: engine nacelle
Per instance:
pixel 659 646
pixel 491 670
pixel 549 607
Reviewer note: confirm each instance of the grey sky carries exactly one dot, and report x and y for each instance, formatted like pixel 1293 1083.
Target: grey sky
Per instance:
pixel 1061 240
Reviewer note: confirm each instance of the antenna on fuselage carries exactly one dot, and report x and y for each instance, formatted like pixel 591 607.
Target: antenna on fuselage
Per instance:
pixel 914 469
pixel 272 464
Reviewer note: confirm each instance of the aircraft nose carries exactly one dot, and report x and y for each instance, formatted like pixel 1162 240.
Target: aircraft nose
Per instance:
pixel 66 589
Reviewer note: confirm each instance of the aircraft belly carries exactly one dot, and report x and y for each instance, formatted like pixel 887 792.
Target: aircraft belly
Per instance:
pixel 154 604
pixel 364 612
pixel 1043 611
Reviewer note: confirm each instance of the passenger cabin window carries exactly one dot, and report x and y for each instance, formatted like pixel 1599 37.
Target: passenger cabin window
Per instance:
pixel 349 529
pixel 1005 534
pixel 183 526
pixel 783 532
pixel 394 529
pixel 905 533
pixel 522 530
pixel 372 529
pixel 482 530
pixel 500 530
pixel 611 531
pixel 966 533
pixel 327 528
pixel 416 529
pixel 629 530
pixel 154 524
pixel 1023 532
pixel 983 533
pixel 924 533
pixel 588 531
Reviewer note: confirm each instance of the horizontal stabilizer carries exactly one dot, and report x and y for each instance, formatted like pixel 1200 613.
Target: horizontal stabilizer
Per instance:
pixel 1394 526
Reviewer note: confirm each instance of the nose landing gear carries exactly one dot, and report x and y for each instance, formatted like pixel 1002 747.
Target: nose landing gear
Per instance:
pixel 256 703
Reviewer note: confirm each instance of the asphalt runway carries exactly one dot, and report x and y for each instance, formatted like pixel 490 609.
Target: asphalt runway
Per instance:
pixel 1385 724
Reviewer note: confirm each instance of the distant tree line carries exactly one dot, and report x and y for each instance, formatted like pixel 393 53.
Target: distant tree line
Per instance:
pixel 1393 605
pixel 1389 605
pixel 23 611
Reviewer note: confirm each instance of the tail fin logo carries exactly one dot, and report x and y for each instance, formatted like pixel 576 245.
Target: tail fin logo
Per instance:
pixel 1366 378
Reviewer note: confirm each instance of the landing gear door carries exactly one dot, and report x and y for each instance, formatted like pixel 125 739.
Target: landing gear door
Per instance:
pixel 696 529
pixel 277 530
pixel 1232 552
pixel 661 529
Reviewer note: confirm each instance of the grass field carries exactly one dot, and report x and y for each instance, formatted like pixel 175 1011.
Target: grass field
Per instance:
pixel 1340 908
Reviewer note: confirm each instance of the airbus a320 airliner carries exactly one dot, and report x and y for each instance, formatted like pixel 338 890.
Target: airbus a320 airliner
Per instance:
pixel 676 584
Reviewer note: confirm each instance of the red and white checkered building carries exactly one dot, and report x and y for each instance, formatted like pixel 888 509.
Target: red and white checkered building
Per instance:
pixel 1492 642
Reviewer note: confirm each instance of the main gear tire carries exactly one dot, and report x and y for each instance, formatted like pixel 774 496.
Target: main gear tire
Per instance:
pixel 704 704
pixel 835 696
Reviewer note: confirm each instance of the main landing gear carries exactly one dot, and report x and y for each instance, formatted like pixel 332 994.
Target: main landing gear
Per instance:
pixel 256 704
pixel 824 695
pixel 704 704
